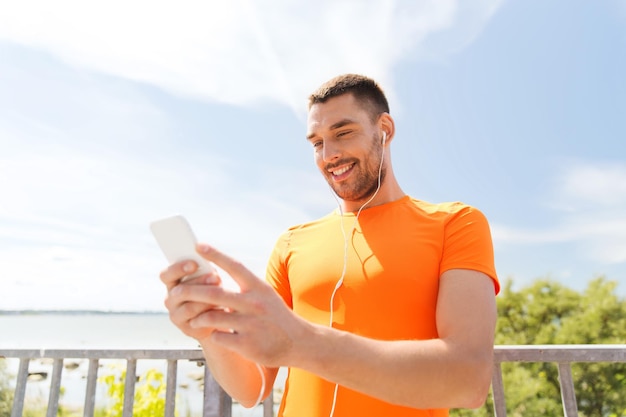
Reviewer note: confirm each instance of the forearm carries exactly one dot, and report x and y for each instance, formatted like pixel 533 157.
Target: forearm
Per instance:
pixel 239 377
pixel 433 373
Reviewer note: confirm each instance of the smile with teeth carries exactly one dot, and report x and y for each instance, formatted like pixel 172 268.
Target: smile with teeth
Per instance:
pixel 338 172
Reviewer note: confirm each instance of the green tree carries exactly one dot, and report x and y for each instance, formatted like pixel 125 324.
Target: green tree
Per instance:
pixel 547 312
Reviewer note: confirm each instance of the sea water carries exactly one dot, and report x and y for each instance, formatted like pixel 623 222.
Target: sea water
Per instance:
pixel 76 330
pixel 68 330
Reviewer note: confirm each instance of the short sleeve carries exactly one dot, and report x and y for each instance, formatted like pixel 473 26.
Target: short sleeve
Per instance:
pixel 277 273
pixel 468 243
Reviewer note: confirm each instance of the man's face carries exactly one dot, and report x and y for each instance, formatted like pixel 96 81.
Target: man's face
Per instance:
pixel 347 147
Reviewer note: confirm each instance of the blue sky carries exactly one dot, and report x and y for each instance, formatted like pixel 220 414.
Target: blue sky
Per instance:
pixel 116 114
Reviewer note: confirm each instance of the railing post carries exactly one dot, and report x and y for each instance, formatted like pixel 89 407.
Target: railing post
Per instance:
pixel 129 387
pixel 20 388
pixel 268 405
pixel 90 391
pixel 170 388
pixel 568 395
pixel 216 402
pixel 497 388
pixel 55 388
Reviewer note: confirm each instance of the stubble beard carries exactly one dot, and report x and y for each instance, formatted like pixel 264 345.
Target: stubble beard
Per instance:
pixel 365 182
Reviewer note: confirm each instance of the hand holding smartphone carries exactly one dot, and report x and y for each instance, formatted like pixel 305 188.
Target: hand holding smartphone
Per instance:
pixel 178 243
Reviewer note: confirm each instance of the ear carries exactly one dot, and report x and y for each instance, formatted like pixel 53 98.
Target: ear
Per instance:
pixel 387 126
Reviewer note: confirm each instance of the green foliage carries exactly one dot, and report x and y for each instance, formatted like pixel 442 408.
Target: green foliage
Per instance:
pixel 34 408
pixel 547 312
pixel 6 393
pixel 149 394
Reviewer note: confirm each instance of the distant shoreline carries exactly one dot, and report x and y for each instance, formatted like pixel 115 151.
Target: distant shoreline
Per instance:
pixel 76 312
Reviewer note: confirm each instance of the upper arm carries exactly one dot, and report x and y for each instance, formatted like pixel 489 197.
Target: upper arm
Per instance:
pixel 466 319
pixel 466 310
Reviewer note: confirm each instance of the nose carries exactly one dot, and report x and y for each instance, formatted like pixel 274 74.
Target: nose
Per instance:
pixel 331 151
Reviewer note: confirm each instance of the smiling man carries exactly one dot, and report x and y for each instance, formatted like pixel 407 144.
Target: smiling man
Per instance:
pixel 384 307
pixel 348 149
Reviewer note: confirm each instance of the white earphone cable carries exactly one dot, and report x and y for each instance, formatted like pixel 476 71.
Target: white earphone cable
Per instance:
pixel 345 254
pixel 262 391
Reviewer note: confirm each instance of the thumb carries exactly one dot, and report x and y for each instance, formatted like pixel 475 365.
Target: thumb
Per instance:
pixel 240 274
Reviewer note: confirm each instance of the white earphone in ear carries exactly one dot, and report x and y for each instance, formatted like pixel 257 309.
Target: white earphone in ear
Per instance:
pixel 384 137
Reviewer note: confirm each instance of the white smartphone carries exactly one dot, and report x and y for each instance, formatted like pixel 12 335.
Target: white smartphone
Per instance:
pixel 178 243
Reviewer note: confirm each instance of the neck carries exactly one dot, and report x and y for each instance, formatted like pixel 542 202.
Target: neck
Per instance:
pixel 389 191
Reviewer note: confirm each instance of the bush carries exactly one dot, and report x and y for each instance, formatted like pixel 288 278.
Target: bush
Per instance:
pixel 149 394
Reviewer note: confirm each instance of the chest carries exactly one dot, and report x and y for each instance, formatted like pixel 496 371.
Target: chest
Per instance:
pixel 389 271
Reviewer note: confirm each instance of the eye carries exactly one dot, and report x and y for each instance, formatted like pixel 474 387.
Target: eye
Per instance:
pixel 343 133
pixel 316 144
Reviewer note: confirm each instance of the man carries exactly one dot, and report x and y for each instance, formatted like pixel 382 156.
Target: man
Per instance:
pixel 383 308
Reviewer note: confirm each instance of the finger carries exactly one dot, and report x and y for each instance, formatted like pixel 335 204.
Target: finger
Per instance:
pixel 244 343
pixel 182 314
pixel 218 319
pixel 242 275
pixel 181 309
pixel 172 275
pixel 211 278
pixel 176 272
pixel 209 294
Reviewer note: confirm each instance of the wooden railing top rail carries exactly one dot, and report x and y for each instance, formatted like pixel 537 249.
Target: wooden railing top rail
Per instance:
pixel 188 354
pixel 560 353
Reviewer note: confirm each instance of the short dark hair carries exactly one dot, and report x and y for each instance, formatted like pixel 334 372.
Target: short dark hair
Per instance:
pixel 363 89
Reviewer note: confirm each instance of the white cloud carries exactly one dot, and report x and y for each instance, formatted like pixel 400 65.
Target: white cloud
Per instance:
pixel 589 202
pixel 240 51
pixel 78 190
pixel 600 184
pixel 82 232
pixel 594 195
pixel 503 234
pixel 76 204
pixel 83 174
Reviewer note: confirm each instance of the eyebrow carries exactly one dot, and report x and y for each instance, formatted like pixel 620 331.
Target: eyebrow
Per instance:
pixel 337 125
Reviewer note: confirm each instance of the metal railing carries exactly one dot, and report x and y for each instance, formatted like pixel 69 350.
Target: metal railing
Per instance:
pixel 216 403
pixel 563 356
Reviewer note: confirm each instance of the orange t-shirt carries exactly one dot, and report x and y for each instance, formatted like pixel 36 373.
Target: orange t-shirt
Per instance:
pixel 396 254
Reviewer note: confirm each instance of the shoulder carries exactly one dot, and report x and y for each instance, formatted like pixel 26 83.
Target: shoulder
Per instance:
pixel 445 211
pixel 449 207
pixel 305 228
